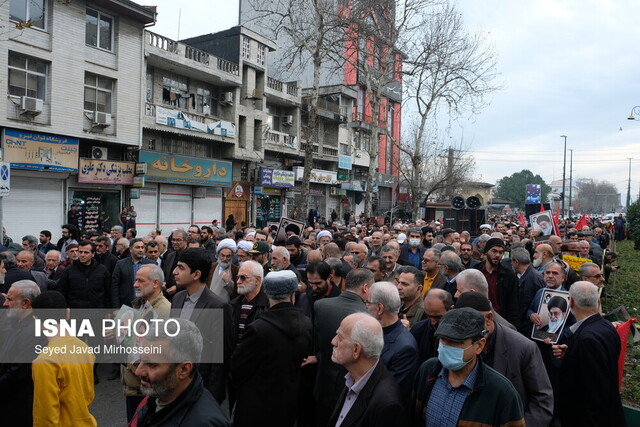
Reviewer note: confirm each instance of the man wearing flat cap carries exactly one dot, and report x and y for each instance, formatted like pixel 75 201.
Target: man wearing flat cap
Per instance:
pixel 503 282
pixel 267 386
pixel 457 387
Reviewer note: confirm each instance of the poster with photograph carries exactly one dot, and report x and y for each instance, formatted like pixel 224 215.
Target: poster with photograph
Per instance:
pixel 542 223
pixel 288 227
pixel 552 314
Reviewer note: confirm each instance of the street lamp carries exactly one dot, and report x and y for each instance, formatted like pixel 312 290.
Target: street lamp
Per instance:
pixel 564 171
pixel 570 182
pixel 635 111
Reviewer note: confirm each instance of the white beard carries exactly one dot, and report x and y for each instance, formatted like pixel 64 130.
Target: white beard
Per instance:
pixel 554 325
pixel 536 262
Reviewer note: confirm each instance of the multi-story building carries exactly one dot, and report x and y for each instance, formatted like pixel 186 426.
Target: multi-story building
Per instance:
pixel 71 121
pixel 350 129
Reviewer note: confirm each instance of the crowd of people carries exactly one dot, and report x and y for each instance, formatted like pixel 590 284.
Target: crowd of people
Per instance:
pixel 346 324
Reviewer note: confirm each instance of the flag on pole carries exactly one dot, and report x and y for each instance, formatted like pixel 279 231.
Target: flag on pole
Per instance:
pixel 521 220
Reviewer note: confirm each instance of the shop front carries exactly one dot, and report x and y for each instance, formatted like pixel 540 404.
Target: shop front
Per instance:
pixel 40 166
pixel 180 190
pixel 269 195
pixel 320 185
pixel 384 187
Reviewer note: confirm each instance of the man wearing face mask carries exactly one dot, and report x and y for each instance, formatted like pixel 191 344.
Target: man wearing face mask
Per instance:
pixel 458 387
pixel 414 251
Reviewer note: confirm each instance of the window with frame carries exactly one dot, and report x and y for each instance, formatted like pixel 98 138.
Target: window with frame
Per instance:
pixel 174 91
pixel 204 101
pixel 98 91
pixel 246 48
pixel 261 55
pixel 99 30
pixel 28 10
pixel 27 76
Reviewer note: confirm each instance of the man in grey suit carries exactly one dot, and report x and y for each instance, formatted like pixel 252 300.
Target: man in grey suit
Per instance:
pixel 124 275
pixel 328 313
pixel 210 314
pixel 517 358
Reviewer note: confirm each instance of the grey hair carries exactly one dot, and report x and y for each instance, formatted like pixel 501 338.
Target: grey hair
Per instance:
pixel 358 277
pixel 585 294
pixel 33 242
pixel 185 346
pixel 27 289
pixel 8 258
pixel 436 252
pixel 123 241
pixel 163 239
pixel 389 248
pixel 370 339
pixel 472 279
pixel 155 272
pixel 484 237
pixel 452 261
pixel 29 254
pixel 521 255
pixel 118 228
pixel 281 250
pixel 584 268
pixel 584 243
pixel 386 293
pixel 182 234
pixel 256 268
pixel 53 252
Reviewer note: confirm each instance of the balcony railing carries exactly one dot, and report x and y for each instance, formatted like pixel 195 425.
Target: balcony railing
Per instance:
pixel 191 53
pixel 281 138
pixel 290 88
pixel 303 147
pixel 328 151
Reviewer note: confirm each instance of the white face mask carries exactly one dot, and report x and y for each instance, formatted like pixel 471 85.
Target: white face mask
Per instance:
pixel 414 242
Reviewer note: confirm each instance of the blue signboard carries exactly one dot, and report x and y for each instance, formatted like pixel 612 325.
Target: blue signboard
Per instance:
pixel 39 151
pixel 162 167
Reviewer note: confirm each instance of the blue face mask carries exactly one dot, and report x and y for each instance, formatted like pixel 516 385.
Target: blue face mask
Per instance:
pixel 452 358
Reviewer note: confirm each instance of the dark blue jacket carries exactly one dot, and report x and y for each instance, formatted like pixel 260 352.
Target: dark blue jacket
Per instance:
pixel 400 356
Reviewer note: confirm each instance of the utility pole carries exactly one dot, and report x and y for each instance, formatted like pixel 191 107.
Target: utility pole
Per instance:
pixel 570 181
pixel 564 171
pixel 629 185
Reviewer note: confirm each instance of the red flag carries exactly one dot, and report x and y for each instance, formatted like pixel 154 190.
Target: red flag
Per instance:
pixel 541 207
pixel 521 220
pixel 582 222
pixel 623 330
pixel 556 221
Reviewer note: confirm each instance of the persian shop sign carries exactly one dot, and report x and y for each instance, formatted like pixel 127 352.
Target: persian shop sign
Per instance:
pixel 177 119
pixel 277 178
pixel 38 151
pixel 318 176
pixel 105 172
pixel 186 170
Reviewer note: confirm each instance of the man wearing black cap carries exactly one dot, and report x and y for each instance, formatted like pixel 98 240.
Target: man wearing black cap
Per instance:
pixel 260 253
pixel 503 282
pixel 517 358
pixel 458 388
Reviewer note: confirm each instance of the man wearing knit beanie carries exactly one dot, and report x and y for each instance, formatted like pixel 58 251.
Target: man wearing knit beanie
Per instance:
pixel 282 338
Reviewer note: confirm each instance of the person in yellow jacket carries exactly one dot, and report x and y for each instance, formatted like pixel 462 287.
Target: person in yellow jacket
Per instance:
pixel 62 379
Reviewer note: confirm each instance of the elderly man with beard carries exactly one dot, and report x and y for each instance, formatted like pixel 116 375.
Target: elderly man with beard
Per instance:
pixel 542 256
pixel 224 274
pixel 174 390
pixel 251 300
pixel 16 353
pixel 151 304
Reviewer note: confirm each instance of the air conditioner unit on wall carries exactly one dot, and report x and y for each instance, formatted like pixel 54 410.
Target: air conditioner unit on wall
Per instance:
pixel 99 153
pixel 287 120
pixel 226 98
pixel 102 119
pixel 32 105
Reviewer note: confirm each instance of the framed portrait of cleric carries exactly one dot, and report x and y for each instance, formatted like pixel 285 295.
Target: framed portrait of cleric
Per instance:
pixel 553 311
pixel 542 223
pixel 288 227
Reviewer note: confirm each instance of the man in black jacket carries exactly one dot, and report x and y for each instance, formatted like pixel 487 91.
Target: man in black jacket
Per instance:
pixel 267 386
pixel 174 388
pixel 104 255
pixel 503 282
pixel 85 283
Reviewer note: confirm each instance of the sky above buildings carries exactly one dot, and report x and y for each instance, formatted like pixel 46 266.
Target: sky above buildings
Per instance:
pixel 569 67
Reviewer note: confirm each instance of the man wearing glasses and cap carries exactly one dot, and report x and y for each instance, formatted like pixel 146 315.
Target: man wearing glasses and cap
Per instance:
pixel 457 387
